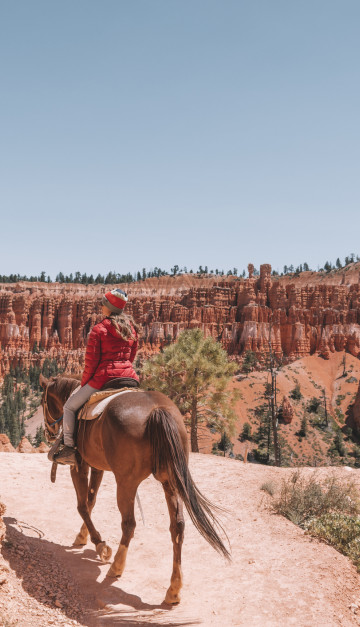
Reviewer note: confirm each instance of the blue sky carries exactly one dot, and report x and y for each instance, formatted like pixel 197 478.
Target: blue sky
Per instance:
pixel 152 133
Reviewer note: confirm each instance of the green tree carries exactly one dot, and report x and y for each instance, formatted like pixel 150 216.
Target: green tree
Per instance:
pixel 195 373
pixel 295 393
pixel 249 362
pixel 39 436
pixel 338 446
pixel 246 431
pixel 303 427
pixel 224 445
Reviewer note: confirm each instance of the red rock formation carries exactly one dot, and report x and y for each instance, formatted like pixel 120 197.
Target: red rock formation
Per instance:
pixel 287 410
pixel 43 448
pixel 310 314
pixel 5 444
pixel 25 446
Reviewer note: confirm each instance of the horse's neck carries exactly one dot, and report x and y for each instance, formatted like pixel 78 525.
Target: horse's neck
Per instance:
pixel 63 392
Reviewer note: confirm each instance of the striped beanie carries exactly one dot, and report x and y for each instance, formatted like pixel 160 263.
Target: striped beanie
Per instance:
pixel 115 300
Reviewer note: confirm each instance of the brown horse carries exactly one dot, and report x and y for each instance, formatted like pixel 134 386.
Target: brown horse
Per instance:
pixel 139 433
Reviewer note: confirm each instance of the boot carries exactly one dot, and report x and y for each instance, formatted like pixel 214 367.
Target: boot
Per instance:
pixel 66 456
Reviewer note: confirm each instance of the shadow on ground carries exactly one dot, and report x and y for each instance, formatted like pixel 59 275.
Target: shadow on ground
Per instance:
pixel 45 570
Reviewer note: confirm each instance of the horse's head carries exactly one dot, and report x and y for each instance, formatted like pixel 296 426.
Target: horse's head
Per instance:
pixel 52 407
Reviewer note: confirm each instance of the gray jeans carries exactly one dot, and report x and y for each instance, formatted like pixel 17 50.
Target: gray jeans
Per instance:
pixel 71 406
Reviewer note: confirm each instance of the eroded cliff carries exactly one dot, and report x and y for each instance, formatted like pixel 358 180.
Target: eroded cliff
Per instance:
pixel 303 315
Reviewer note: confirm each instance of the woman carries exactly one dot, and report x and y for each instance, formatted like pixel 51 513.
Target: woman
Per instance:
pixel 110 351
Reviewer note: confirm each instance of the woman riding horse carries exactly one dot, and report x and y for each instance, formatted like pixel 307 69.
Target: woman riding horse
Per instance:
pixel 138 434
pixel 110 351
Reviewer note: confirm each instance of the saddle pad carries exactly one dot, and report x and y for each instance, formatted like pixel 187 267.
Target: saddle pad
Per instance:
pixel 98 401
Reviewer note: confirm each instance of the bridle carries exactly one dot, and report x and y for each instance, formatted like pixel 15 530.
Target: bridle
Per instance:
pixel 51 437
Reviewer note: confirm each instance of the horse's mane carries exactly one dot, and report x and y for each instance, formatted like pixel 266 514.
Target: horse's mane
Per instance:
pixel 64 384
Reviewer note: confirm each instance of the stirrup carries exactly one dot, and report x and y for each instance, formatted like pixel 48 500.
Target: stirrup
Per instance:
pixel 67 455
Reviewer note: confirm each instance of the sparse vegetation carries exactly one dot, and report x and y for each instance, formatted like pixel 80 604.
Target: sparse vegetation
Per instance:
pixel 313 405
pixel 338 446
pixel 339 398
pixel 295 393
pixel 249 362
pixel 303 498
pixel 351 380
pixel 269 487
pixel 340 530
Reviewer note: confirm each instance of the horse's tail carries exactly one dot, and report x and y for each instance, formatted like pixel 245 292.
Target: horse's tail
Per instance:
pixel 168 454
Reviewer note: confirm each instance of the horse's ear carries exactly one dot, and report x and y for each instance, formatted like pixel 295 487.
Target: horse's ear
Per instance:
pixel 43 382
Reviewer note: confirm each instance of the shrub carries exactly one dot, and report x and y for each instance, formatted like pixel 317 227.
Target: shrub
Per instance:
pixel 302 498
pixel 303 428
pixel 341 531
pixel 269 487
pixel 339 415
pixel 339 398
pixel 295 393
pixel 313 405
pixel 351 380
pixel 338 445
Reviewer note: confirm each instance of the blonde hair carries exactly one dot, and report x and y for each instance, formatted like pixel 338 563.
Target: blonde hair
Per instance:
pixel 125 325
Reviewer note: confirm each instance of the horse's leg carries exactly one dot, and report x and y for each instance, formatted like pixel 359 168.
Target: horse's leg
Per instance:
pixel 177 525
pixel 80 481
pixel 126 493
pixel 95 481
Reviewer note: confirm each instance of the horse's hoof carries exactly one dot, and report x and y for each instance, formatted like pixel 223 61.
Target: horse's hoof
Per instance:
pixel 172 598
pixel 112 574
pixel 80 540
pixel 103 551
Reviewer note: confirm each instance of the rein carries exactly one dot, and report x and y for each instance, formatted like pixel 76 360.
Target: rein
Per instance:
pixel 49 436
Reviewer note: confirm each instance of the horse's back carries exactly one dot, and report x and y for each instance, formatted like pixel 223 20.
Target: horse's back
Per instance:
pixel 129 411
pixel 122 429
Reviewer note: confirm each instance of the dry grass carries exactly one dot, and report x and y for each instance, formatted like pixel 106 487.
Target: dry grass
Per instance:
pixel 269 487
pixel 303 497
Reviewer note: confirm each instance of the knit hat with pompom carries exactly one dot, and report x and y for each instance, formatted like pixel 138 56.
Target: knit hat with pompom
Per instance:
pixel 115 300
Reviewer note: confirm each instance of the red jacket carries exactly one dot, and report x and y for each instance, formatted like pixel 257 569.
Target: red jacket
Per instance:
pixel 108 356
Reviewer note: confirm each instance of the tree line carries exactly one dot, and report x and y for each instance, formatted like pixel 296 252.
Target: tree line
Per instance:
pixel 113 277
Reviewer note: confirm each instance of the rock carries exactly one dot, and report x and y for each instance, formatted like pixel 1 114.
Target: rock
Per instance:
pixel 309 314
pixel 43 448
pixel 287 410
pixel 5 444
pixel 25 446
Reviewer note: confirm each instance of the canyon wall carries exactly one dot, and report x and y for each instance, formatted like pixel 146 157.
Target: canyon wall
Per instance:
pixel 304 315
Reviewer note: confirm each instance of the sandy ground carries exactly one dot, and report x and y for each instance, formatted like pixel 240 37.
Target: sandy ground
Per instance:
pixel 278 575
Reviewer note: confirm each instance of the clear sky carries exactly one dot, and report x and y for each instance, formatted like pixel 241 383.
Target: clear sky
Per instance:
pixel 158 132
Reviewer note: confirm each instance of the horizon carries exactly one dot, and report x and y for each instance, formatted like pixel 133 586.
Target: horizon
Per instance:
pixel 176 270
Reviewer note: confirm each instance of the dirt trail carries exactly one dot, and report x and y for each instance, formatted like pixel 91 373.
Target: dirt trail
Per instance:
pixel 278 576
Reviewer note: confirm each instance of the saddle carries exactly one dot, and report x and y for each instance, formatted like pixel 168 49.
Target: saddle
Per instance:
pixel 98 401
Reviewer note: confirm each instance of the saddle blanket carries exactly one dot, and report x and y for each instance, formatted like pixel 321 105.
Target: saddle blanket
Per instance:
pixel 99 401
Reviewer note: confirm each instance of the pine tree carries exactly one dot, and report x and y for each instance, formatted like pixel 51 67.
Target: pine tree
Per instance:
pixel 249 362
pixel 303 427
pixel 195 373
